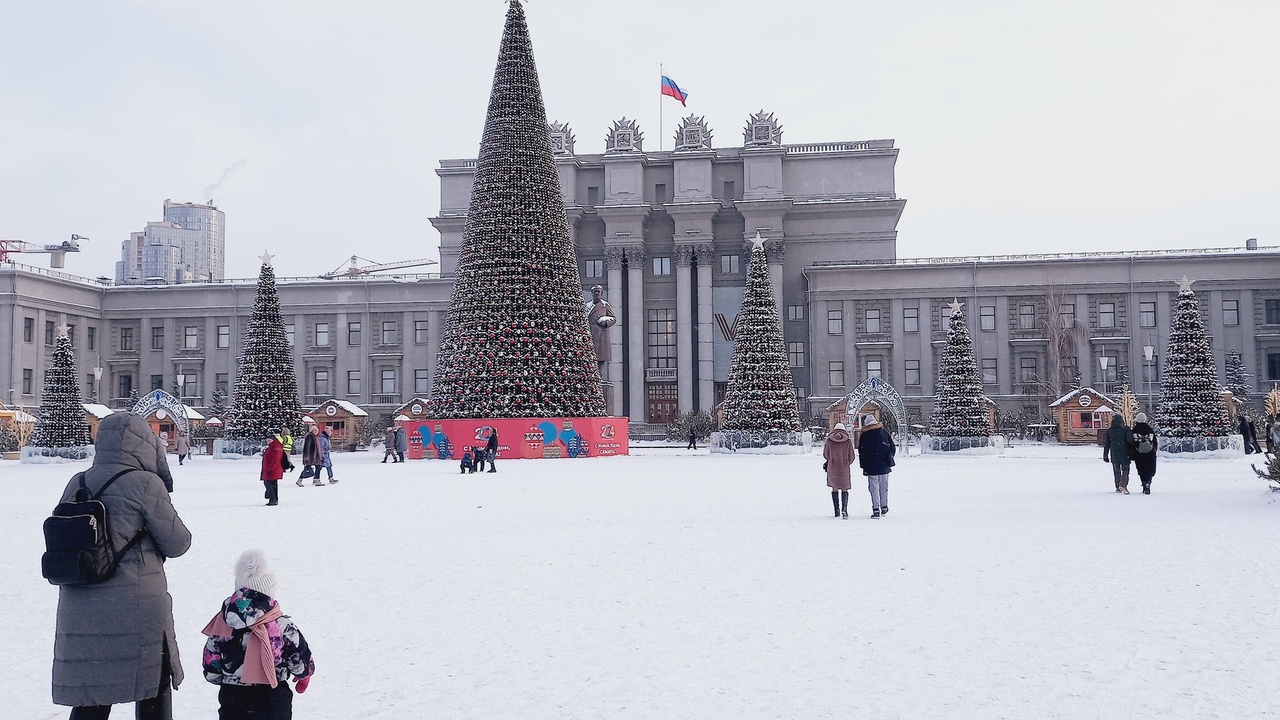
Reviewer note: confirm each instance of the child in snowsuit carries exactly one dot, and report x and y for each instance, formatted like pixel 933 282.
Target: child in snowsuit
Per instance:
pixel 477 456
pixel 253 649
pixel 467 464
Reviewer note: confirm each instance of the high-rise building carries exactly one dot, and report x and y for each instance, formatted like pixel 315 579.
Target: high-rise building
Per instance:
pixel 189 245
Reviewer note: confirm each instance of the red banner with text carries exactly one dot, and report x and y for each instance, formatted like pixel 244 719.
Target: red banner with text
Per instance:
pixel 519 437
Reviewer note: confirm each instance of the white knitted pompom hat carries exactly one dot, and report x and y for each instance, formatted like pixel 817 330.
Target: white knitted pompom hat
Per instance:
pixel 253 572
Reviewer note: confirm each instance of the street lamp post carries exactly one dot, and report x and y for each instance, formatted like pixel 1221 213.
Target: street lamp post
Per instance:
pixel 177 383
pixel 1103 361
pixel 1150 352
pixel 97 383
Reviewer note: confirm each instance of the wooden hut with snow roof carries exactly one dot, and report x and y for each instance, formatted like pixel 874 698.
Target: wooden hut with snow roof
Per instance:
pixel 344 421
pixel 1080 414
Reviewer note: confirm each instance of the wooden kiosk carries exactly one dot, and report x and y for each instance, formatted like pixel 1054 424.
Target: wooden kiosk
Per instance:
pixel 343 420
pixel 94 414
pixel 414 410
pixel 1080 414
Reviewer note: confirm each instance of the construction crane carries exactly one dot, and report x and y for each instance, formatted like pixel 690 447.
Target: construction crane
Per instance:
pixel 57 253
pixel 354 269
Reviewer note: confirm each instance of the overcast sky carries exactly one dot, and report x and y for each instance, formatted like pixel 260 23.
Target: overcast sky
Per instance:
pixel 1024 126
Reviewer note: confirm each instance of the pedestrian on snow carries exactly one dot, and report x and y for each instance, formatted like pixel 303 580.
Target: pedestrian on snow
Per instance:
pixel 468 465
pixel 184 447
pixel 1116 450
pixel 115 641
pixel 402 441
pixel 1250 433
pixel 875 457
pixel 1145 444
pixel 838 454
pixel 286 441
pixel 477 457
pixel 272 467
pixel 312 456
pixel 389 445
pixel 491 449
pixel 254 649
pixel 693 439
pixel 1273 438
pixel 326 444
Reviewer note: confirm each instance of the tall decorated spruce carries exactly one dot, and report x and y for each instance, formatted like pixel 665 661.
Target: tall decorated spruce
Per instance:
pixel 1191 403
pixel 959 406
pixel 516 341
pixel 61 423
pixel 266 391
pixel 761 396
pixel 1239 380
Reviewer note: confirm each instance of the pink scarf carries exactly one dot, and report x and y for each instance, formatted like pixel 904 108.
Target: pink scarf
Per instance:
pixel 259 660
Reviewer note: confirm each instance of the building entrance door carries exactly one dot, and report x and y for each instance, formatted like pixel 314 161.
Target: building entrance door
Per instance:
pixel 663 403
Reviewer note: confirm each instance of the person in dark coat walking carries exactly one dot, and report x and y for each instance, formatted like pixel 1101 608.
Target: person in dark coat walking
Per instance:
pixel 875 456
pixel 1250 435
pixel 838 454
pixel 402 441
pixel 183 446
pixel 115 641
pixel 693 439
pixel 312 456
pixel 1116 450
pixel 272 468
pixel 389 445
pixel 1145 445
pixel 491 449
pixel 325 440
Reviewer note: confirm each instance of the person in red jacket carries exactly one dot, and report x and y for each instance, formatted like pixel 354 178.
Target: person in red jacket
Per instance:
pixel 272 467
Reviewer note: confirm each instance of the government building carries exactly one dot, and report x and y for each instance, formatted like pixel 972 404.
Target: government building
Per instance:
pixel 665 233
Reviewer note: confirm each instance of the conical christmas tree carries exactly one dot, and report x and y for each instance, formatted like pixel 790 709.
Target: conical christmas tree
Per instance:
pixel 1239 380
pixel 1191 403
pixel 516 343
pixel 959 406
pixel 266 391
pixel 61 423
pixel 761 396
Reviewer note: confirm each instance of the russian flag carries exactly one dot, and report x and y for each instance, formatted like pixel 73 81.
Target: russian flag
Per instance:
pixel 671 89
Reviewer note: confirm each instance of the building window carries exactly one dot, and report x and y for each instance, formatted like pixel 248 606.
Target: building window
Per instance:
pixel 1111 373
pixel 835 322
pixel 874 368
pixel 224 337
pixel 288 334
pixel 911 320
pixel 189 338
pixel 660 194
pixel 989 376
pixel 28 329
pixel 594 268
pixel 662 338
pixel 987 317
pixel 795 354
pixel 835 373
pixel 187 384
pixel 1146 314
pixel 126 385
pixel 126 339
pixel 872 318
pixel 48 332
pixel 795 312
pixel 90 337
pixel 661 266
pixel 912 368
pixel 388 332
pixel 157 382
pixel 353 382
pixel 322 334
pixel 1272 311
pixel 1026 317
pixel 321 383
pixel 353 334
pixel 729 264
pixel 388 381
pixel 157 338
pixel 222 383
pixel 420 332
pixel 1106 315
pixel 1067 316
pixel 71 334
pixel 28 378
pixel 1151 369
pixel 593 196
pixel 1230 312
pixel 1273 366
pixel 422 381
pixel 802 399
pixel 1027 370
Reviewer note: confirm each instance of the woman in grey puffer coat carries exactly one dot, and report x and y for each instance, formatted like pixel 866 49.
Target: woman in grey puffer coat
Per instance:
pixel 115 640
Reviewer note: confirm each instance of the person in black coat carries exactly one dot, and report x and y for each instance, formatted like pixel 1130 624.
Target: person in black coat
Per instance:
pixel 491 449
pixel 693 439
pixel 477 457
pixel 1144 438
pixel 875 457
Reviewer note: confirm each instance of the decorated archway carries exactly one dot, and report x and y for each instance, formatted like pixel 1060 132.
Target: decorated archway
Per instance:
pixel 165 408
pixel 876 391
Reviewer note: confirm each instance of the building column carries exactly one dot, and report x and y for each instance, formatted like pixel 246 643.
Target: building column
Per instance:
pixel 635 329
pixel 613 370
pixel 684 328
pixel 706 364
pixel 775 252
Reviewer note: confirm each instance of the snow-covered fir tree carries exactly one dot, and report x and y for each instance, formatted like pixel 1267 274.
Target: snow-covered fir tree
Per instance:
pixel 515 341
pixel 761 396
pixel 1191 403
pixel 266 390
pixel 959 406
pixel 1239 379
pixel 61 423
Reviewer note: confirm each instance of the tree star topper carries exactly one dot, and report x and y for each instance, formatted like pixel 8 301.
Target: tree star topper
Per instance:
pixel 266 258
pixel 63 330
pixel 757 241
pixel 1184 285
pixel 955 306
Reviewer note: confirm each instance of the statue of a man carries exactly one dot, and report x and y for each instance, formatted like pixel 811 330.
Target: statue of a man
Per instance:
pixel 601 317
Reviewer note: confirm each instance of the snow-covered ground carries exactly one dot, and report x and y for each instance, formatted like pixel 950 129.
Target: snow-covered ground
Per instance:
pixel 676 584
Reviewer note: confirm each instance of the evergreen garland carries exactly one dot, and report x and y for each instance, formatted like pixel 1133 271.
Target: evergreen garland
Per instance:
pixel 61 423
pixel 761 395
pixel 1191 403
pixel 959 405
pixel 515 341
pixel 266 391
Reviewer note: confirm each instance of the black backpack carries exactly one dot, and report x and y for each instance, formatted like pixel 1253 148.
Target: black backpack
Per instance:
pixel 77 540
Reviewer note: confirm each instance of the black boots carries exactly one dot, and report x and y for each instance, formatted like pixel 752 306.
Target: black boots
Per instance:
pixel 835 502
pixel 844 504
pixel 1146 488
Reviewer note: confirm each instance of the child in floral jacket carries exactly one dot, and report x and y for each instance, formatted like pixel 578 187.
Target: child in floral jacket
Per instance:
pixel 254 649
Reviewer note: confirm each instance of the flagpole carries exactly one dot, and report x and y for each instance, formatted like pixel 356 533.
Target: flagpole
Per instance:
pixel 661 133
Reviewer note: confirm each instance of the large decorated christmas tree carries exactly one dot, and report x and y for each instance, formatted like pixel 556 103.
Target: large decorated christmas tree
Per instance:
pixel 61 423
pixel 761 396
pixel 959 406
pixel 266 391
pixel 516 343
pixel 1191 403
